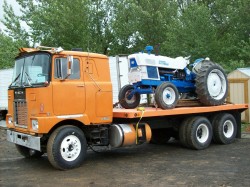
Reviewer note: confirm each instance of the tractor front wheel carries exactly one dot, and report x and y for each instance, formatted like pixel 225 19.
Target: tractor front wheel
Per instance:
pixel 166 95
pixel 127 100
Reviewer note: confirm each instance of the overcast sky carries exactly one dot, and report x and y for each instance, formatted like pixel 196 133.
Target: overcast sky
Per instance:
pixel 15 7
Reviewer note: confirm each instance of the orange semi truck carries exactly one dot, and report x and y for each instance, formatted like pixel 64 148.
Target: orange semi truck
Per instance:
pixel 60 103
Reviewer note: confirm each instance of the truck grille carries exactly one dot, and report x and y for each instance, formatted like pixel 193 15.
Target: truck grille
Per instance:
pixel 21 114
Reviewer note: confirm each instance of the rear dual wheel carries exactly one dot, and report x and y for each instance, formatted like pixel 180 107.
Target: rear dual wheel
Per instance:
pixel 224 128
pixel 196 132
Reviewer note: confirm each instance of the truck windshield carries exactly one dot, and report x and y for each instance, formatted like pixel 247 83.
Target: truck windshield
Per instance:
pixel 31 70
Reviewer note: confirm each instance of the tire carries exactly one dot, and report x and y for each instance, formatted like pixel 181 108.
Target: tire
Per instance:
pixel 183 131
pixel 28 153
pixel 166 95
pixel 199 133
pixel 124 101
pixel 160 136
pixel 224 128
pixel 211 84
pixel 67 147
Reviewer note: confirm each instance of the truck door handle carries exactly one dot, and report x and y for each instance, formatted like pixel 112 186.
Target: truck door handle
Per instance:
pixel 80 85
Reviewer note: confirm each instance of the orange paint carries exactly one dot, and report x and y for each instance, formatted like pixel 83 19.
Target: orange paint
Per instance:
pixel 87 99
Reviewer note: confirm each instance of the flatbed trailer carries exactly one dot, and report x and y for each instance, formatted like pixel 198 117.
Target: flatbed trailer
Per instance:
pixel 186 123
pixel 120 113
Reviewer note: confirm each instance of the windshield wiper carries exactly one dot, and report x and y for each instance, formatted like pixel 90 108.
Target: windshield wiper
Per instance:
pixel 28 78
pixel 15 79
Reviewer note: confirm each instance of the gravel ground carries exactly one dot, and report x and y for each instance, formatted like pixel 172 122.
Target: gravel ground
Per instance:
pixel 144 165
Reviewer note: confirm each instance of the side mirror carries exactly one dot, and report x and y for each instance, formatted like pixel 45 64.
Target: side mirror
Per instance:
pixel 64 67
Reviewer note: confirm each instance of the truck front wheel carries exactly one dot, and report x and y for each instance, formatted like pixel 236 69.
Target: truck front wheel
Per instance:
pixel 67 147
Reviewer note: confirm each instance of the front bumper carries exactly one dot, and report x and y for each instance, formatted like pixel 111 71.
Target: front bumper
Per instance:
pixel 25 140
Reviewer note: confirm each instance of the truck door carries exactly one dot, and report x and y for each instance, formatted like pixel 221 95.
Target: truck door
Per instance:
pixel 68 94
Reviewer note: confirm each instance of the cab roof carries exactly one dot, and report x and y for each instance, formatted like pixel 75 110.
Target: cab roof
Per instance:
pixel 61 51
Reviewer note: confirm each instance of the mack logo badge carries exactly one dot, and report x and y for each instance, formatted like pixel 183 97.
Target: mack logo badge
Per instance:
pixel 18 92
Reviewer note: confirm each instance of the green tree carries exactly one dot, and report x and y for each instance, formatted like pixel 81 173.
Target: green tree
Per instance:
pixel 8 51
pixel 82 23
pixel 100 25
pixel 123 27
pixel 218 29
pixel 191 33
pixel 13 38
pixel 13 24
pixel 233 31
pixel 56 23
pixel 139 23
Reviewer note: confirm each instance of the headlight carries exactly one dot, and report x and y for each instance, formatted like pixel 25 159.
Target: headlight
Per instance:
pixel 10 120
pixel 35 125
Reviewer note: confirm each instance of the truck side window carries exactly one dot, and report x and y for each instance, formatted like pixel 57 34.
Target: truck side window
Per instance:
pixel 76 68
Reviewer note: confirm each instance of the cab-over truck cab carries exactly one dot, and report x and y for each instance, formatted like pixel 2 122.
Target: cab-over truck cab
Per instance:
pixel 53 89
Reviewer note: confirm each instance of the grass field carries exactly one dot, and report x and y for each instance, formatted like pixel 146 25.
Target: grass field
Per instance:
pixel 245 127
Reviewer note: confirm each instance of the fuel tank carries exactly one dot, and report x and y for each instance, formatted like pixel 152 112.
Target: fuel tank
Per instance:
pixel 121 135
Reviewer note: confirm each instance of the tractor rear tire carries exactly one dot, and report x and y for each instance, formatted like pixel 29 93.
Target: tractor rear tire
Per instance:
pixel 124 101
pixel 211 84
pixel 166 95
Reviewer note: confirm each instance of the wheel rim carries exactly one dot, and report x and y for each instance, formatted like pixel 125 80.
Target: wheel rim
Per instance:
pixel 228 128
pixel 133 98
pixel 216 83
pixel 70 148
pixel 202 133
pixel 169 95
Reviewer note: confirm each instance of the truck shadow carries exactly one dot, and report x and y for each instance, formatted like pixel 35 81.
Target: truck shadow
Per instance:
pixel 118 156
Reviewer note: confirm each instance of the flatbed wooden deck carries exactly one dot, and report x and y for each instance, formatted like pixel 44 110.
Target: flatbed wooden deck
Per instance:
pixel 153 112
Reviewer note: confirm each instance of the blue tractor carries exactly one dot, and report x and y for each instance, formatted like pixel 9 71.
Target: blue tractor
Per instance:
pixel 169 79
